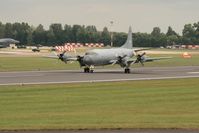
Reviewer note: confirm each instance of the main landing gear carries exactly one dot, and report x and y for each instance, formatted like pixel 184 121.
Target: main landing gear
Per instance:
pixel 88 69
pixel 127 70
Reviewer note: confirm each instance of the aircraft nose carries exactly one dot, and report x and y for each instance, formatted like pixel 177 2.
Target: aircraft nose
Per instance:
pixel 87 60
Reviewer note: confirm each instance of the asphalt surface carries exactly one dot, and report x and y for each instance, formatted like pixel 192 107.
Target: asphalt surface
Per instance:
pixel 100 75
pixel 111 131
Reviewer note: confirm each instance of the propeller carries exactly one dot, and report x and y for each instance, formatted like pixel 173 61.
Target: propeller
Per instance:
pixel 120 59
pixel 80 60
pixel 61 56
pixel 140 58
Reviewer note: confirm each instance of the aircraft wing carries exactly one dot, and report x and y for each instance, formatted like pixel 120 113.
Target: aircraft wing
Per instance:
pixel 141 49
pixel 146 59
pixel 150 59
pixel 71 59
pixel 67 58
pixel 53 57
pixel 130 61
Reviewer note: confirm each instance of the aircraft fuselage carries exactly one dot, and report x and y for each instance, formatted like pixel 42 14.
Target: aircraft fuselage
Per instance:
pixel 100 57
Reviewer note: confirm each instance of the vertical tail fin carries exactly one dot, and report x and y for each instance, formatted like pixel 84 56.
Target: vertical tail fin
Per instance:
pixel 129 42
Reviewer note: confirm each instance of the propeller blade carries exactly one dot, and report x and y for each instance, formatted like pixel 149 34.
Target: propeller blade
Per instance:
pixel 143 54
pixel 140 58
pixel 80 60
pixel 120 58
pixel 60 56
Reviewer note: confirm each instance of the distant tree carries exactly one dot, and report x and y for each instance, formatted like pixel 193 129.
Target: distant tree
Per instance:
pixel 172 36
pixel 172 40
pixel 8 31
pixel 80 35
pixel 196 26
pixel 105 36
pixel 171 32
pixel 75 30
pixel 30 36
pixel 17 31
pixel 51 38
pixel 2 30
pixel 67 34
pixel 119 39
pixel 58 33
pixel 142 40
pixel 188 31
pixel 189 34
pixel 20 32
pixel 92 36
pixel 39 35
pixel 157 38
pixel 91 29
pixel 156 31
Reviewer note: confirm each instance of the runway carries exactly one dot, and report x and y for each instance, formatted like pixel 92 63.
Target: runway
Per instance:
pixel 100 75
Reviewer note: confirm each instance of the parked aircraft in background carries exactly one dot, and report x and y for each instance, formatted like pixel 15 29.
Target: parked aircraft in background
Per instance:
pixel 101 57
pixel 5 42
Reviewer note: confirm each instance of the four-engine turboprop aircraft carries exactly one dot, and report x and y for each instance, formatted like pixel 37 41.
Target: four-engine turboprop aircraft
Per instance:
pixel 101 57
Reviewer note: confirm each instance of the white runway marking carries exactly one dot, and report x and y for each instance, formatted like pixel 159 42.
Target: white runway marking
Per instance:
pixel 21 76
pixel 193 72
pixel 96 81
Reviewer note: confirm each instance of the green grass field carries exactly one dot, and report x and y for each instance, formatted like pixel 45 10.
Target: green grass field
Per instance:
pixel 39 63
pixel 33 64
pixel 133 104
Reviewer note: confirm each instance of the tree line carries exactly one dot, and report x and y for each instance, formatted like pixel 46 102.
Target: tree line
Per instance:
pixel 59 34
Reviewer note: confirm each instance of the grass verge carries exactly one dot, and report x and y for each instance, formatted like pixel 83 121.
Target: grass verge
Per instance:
pixel 133 104
pixel 39 63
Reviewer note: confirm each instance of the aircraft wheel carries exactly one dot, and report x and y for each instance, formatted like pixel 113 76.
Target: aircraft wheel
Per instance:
pixel 126 70
pixel 86 70
pixel 129 71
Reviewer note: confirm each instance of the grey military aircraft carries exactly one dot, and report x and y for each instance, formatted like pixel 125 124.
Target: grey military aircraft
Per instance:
pixel 5 42
pixel 101 57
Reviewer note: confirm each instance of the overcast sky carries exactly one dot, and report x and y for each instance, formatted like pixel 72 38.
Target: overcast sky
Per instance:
pixel 142 15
